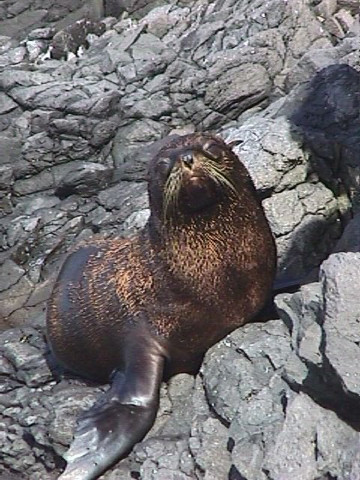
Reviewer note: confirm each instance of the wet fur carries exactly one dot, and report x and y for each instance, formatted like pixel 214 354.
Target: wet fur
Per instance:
pixel 181 274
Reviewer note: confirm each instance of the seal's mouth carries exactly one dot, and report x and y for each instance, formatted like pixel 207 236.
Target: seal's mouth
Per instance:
pixel 196 179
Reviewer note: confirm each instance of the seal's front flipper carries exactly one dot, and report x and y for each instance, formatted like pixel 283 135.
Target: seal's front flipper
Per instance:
pixel 121 417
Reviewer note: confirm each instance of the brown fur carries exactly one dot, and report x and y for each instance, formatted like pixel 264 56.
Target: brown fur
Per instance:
pixel 188 278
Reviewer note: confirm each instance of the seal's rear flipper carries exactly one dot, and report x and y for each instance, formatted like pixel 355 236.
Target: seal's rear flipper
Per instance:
pixel 121 417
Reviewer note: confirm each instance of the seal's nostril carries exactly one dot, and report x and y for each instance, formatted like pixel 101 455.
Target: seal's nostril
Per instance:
pixel 187 159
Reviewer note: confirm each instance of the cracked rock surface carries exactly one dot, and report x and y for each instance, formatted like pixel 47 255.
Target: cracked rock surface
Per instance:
pixel 269 399
pixel 75 131
pixel 83 107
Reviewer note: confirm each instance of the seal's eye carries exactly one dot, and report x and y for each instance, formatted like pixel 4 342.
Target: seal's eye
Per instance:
pixel 213 151
pixel 163 165
pixel 187 159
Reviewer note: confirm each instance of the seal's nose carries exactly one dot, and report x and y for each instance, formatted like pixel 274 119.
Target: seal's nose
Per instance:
pixel 187 159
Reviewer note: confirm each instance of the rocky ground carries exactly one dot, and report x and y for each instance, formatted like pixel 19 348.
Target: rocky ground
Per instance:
pixel 280 81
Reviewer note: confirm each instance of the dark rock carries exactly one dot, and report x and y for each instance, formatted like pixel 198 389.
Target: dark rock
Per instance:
pixel 332 136
pixel 130 156
pixel 37 183
pixel 11 149
pixel 16 27
pixel 102 133
pixel 350 239
pixel 73 37
pixel 114 8
pixel 138 7
pixel 86 180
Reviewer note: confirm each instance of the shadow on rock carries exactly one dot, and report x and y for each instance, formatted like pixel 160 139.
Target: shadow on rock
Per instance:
pixel 327 119
pixel 322 319
pixel 324 117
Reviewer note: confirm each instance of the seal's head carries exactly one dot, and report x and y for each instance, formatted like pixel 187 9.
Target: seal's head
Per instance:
pixel 192 175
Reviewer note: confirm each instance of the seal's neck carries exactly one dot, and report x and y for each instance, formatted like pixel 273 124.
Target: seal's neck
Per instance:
pixel 198 250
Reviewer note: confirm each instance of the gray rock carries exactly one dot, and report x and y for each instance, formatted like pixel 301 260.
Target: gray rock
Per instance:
pixel 208 445
pixel 18 7
pixel 35 48
pixel 340 277
pixel 10 149
pixel 102 133
pixel 160 20
pixel 99 217
pixel 124 197
pixel 6 178
pixel 135 222
pixel 37 183
pixel 284 212
pixel 19 294
pixel 312 442
pixel 242 364
pixel 6 43
pixel 271 400
pixel 301 311
pixel 145 108
pixel 10 274
pixel 297 220
pixel 268 151
pixel 238 89
pixel 26 358
pixel 88 179
pixel 114 8
pixel 6 104
pixel 45 33
pixel 326 8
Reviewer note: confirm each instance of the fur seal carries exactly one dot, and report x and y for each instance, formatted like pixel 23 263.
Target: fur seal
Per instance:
pixel 130 310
